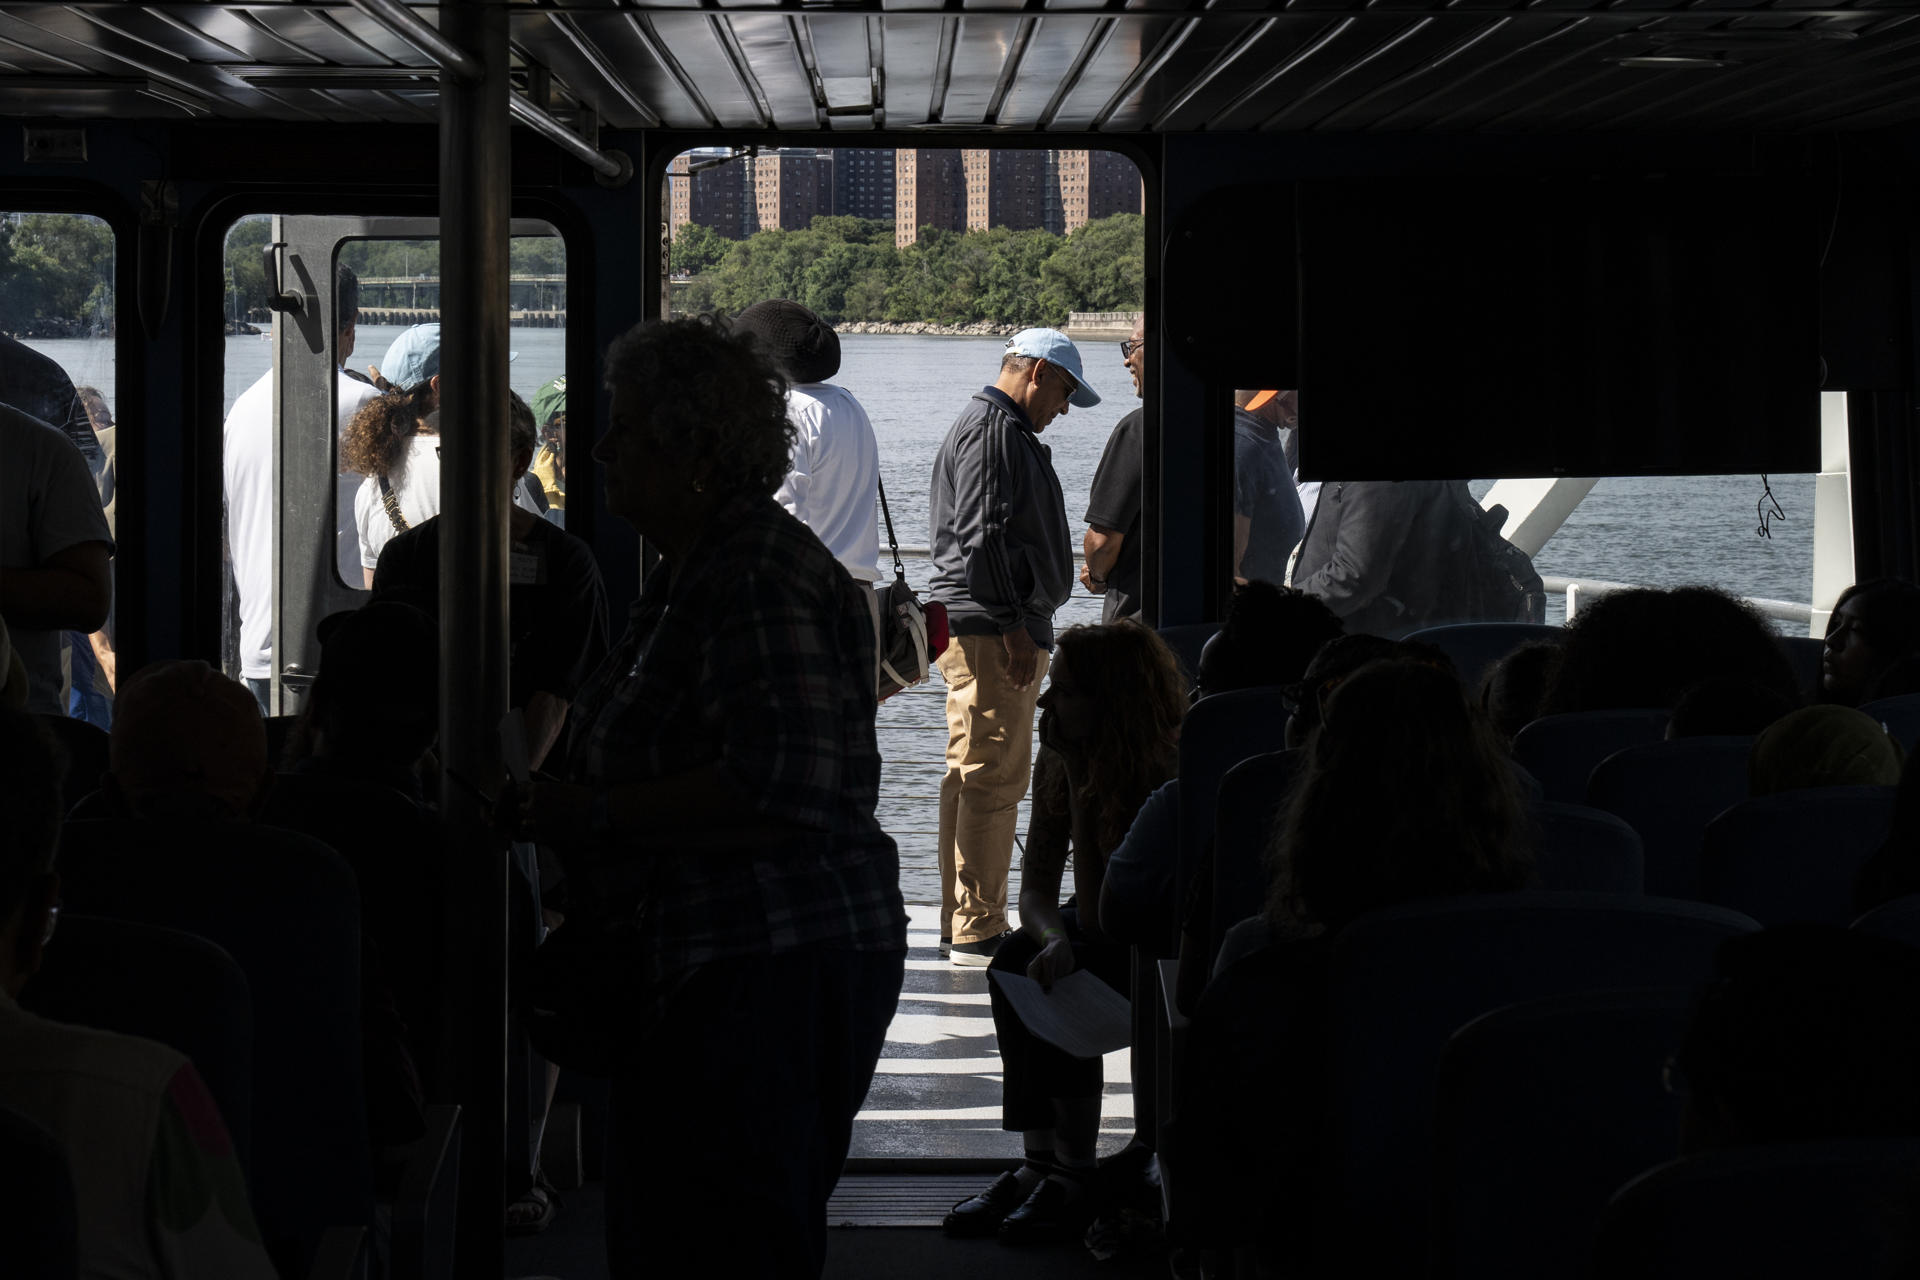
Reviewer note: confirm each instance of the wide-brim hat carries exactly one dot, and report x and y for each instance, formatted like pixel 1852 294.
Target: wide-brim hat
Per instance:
pixel 804 346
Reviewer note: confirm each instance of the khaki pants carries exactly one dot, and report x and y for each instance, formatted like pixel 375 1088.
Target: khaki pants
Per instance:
pixel 989 759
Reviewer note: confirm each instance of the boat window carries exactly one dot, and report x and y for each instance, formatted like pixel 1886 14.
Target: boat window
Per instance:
pixel 57 310
pixel 324 315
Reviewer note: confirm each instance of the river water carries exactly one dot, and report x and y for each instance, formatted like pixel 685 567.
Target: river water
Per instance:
pixel 1664 531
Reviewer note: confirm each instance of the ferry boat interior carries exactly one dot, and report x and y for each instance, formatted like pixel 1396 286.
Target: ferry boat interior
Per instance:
pixel 1537 241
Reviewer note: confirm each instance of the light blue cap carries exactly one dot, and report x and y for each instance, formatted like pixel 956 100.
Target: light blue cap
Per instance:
pixel 414 357
pixel 1057 349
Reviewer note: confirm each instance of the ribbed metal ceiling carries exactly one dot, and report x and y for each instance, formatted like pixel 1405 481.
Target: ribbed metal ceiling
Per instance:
pixel 1037 65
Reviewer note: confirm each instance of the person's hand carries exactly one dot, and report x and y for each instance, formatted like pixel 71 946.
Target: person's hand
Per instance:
pixel 1054 962
pixel 1096 586
pixel 544 811
pixel 1023 657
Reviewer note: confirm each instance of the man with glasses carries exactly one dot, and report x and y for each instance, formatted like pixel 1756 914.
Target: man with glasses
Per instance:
pixel 1002 565
pixel 1112 543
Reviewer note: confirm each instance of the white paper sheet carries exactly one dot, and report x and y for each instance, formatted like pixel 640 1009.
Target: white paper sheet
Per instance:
pixel 1081 1015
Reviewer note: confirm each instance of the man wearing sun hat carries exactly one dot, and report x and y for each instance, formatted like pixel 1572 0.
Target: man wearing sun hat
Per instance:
pixel 1267 518
pixel 834 478
pixel 1002 565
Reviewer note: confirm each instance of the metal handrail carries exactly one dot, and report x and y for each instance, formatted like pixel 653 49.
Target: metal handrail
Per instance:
pixel 1578 589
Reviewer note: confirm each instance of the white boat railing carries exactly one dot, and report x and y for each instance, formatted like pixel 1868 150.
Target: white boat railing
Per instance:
pixel 1580 591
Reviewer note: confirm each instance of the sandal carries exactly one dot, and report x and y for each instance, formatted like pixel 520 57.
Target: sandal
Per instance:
pixel 533 1211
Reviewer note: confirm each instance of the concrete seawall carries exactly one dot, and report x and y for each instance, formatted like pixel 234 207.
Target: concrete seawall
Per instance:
pixel 1102 326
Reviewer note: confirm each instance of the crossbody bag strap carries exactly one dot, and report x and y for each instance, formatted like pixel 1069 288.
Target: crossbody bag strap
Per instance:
pixel 392 505
pixel 899 570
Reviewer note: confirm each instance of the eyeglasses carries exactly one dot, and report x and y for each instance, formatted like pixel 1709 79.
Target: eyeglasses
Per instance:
pixel 1130 345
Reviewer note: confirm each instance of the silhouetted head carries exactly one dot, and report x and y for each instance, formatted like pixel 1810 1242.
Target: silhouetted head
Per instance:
pixel 1338 658
pixel 1725 707
pixel 1874 627
pixel 1407 795
pixel 1645 647
pixel 1514 688
pixel 1115 697
pixel 1824 746
pixel 698 417
pixel 1270 635
pixel 376 698
pixel 187 743
pixel 1807 1033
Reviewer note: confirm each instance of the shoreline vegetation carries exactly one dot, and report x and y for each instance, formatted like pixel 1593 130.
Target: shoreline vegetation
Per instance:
pixel 849 272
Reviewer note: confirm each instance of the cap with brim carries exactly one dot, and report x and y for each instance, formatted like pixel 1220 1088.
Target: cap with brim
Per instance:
pixel 804 346
pixel 1260 398
pixel 414 357
pixel 1056 349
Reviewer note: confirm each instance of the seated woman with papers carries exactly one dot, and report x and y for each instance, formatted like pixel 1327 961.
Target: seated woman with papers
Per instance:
pixel 1109 725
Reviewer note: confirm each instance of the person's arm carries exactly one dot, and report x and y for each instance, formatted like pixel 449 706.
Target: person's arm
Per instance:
pixel 1242 534
pixel 70 590
pixel 982 486
pixel 795 490
pixel 1113 503
pixel 1138 881
pixel 1374 520
pixel 1043 868
pixel 198 1220
pixel 544 714
pixel 1101 548
pixel 102 645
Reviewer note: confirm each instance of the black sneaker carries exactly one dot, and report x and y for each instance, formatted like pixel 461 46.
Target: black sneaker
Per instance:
pixel 946 946
pixel 979 954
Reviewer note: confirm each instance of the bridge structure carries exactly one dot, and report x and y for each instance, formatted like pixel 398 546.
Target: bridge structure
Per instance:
pixel 534 300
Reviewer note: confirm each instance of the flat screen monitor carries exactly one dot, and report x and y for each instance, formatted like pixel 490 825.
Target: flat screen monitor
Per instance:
pixel 1599 326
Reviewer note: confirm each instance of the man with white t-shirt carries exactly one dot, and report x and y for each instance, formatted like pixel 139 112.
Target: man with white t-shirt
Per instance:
pixel 249 474
pixel 834 478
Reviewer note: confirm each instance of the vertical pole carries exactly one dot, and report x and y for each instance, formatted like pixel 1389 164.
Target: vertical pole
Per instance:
pixel 474 226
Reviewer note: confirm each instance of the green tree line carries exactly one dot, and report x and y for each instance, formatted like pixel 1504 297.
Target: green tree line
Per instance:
pixel 848 270
pixel 55 267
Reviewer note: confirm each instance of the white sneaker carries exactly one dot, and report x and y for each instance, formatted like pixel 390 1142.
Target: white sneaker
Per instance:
pixel 978 955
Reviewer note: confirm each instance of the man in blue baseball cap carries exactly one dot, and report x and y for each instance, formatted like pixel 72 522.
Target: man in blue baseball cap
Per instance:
pixel 1002 564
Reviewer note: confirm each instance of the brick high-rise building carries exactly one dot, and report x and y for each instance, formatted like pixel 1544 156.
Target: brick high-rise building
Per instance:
pixel 720 196
pixel 1096 184
pixel 863 182
pixel 930 190
pixel 1006 189
pixel 790 186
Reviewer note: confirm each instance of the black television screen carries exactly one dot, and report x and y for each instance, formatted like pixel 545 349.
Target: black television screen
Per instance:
pixel 1562 326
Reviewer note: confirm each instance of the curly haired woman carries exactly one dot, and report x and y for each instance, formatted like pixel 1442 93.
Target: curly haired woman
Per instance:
pixel 1109 731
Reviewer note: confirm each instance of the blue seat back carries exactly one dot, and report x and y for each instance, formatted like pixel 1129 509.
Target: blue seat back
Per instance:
pixel 1801 1209
pixel 1794 856
pixel 1474 647
pixel 286 908
pixel 1543 1109
pixel 86 746
pixel 39 1230
pixel 1901 716
pixel 1406 978
pixel 1220 731
pixel 1669 792
pixel 1187 639
pixel 1899 920
pixel 1561 751
pixel 1577 848
pixel 160 984
pixel 1251 797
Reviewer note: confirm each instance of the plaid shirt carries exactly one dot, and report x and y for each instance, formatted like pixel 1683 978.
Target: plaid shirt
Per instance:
pixel 755 654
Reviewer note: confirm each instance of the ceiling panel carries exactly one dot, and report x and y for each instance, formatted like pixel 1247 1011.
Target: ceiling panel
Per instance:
pixel 1100 65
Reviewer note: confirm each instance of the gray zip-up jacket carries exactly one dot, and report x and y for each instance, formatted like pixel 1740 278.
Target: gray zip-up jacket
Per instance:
pixel 1001 552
